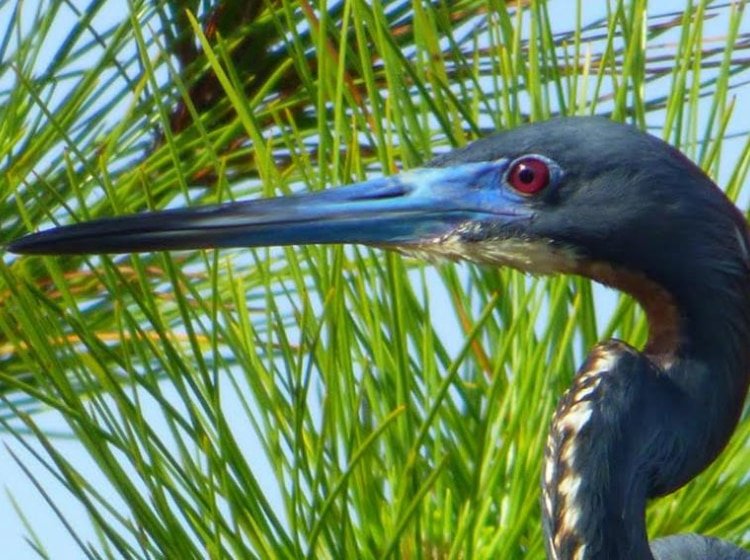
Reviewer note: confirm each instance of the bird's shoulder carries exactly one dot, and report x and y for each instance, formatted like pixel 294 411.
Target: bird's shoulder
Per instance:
pixel 696 547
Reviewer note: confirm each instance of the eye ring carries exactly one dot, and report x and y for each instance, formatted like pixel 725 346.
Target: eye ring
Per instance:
pixel 528 175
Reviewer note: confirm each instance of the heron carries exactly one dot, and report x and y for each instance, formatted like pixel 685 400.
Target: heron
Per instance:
pixel 583 196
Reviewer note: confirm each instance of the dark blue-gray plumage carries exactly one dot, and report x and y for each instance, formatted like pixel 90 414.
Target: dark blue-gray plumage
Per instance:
pixel 578 196
pixel 695 547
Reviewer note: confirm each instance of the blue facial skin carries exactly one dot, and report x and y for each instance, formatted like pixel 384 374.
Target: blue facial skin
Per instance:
pixel 413 208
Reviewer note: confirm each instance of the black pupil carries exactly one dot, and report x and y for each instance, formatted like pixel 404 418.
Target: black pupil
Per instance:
pixel 526 175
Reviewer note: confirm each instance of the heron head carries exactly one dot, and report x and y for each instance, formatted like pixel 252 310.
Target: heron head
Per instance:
pixel 549 197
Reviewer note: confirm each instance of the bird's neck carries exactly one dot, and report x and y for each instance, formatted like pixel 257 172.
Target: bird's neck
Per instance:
pixel 699 340
pixel 699 330
pixel 638 425
pixel 590 510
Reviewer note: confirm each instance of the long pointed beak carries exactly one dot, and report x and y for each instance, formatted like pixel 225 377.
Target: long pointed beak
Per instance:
pixel 408 210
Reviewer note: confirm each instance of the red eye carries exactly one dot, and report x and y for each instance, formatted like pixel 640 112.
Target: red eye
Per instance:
pixel 529 175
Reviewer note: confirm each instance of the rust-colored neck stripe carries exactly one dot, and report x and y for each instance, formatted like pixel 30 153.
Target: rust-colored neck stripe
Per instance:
pixel 664 320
